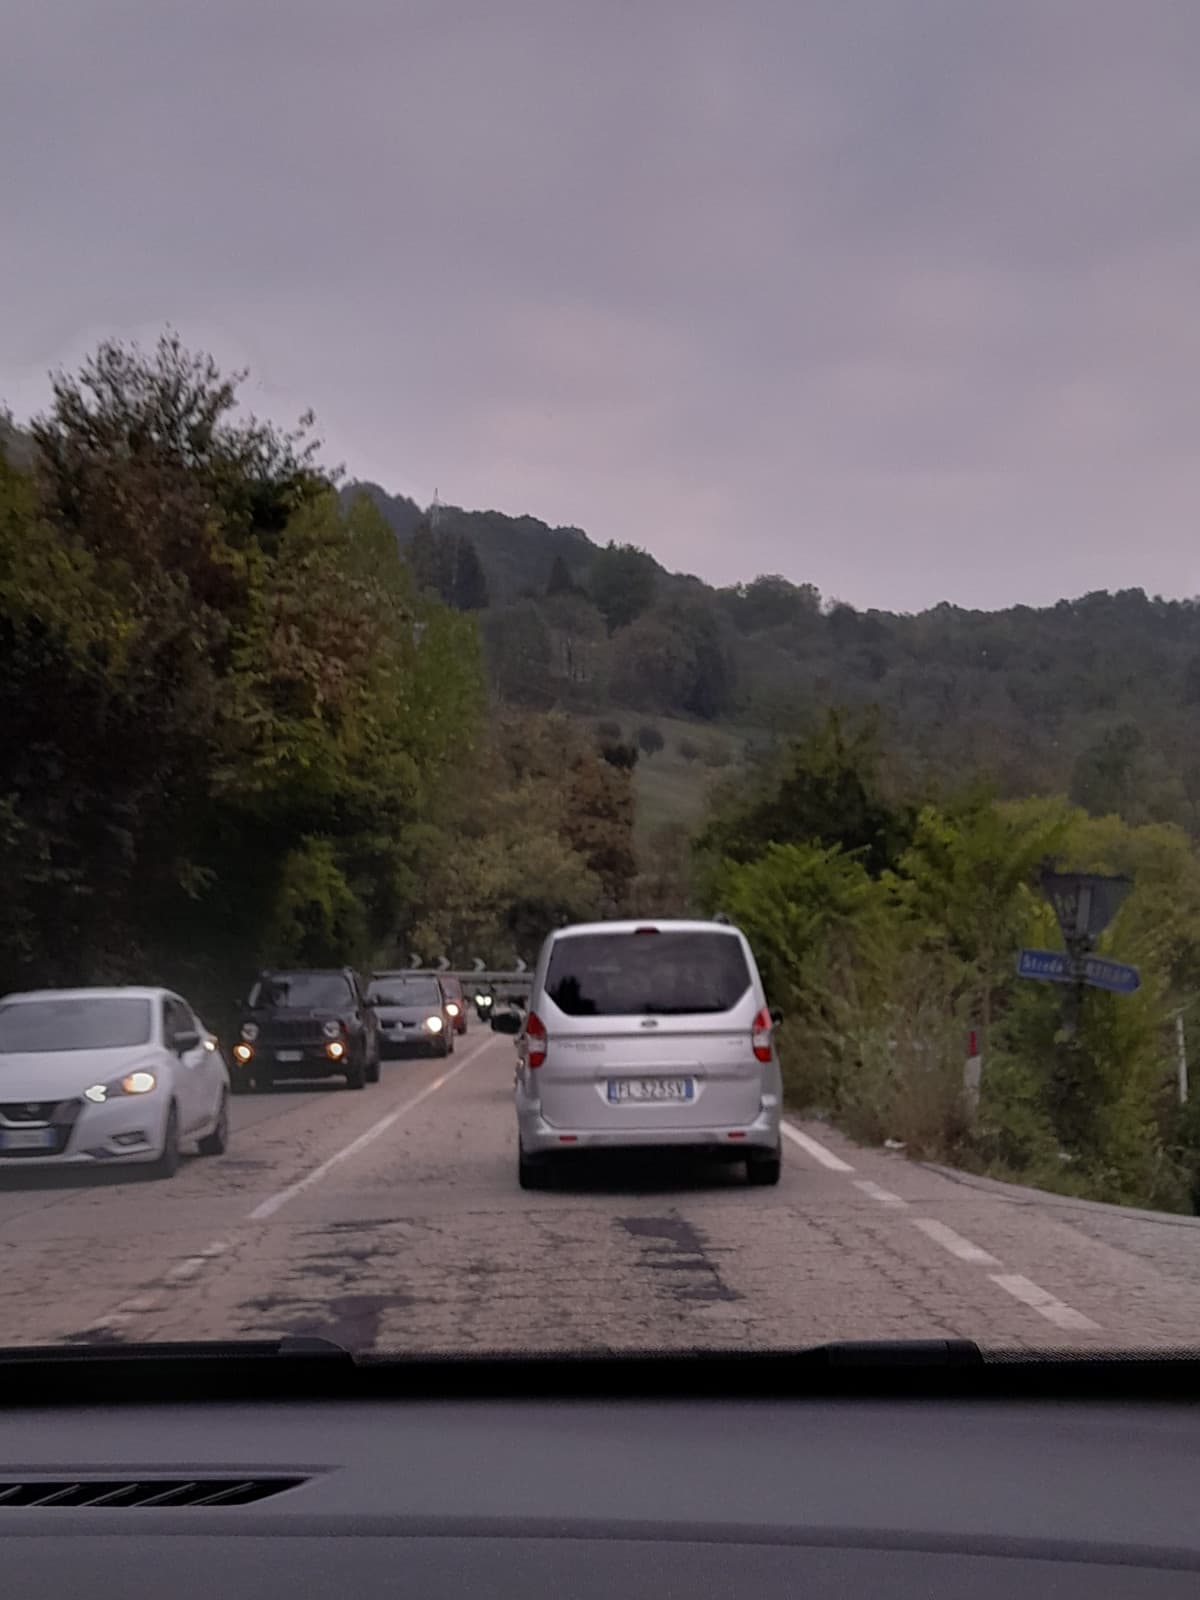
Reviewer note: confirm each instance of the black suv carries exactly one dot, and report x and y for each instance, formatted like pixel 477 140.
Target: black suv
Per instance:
pixel 307 1025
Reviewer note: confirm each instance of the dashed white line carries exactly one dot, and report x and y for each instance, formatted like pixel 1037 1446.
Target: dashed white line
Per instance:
pixel 878 1192
pixel 187 1268
pixel 1050 1307
pixel 273 1203
pixel 954 1242
pixel 817 1151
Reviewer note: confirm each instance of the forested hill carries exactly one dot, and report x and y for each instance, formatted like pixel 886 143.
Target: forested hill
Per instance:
pixel 1097 696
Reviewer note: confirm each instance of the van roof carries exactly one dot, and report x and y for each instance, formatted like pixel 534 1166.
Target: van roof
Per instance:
pixel 632 924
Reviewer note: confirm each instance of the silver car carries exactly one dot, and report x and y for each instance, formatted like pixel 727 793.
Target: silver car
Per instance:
pixel 646 1034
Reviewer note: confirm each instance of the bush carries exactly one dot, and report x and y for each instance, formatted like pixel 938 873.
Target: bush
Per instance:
pixel 689 749
pixel 649 738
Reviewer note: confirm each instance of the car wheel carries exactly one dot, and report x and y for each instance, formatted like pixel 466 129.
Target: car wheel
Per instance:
pixel 764 1170
pixel 167 1164
pixel 217 1142
pixel 356 1075
pixel 374 1068
pixel 533 1172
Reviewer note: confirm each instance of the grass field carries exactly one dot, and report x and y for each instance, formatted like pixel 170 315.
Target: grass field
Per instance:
pixel 669 788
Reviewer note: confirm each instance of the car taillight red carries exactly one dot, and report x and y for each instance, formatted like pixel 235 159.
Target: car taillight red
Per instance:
pixel 760 1035
pixel 535 1039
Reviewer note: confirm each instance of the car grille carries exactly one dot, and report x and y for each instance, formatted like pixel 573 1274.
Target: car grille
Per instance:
pixel 59 1115
pixel 301 1031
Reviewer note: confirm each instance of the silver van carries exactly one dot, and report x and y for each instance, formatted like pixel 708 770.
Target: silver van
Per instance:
pixel 646 1034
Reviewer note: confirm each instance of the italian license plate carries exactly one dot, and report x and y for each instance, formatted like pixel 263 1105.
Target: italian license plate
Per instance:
pixel 289 1055
pixel 28 1138
pixel 621 1090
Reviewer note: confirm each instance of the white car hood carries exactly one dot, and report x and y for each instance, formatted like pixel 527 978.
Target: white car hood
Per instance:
pixel 64 1074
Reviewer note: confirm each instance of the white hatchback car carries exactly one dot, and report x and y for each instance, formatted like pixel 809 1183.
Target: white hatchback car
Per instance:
pixel 644 1034
pixel 108 1077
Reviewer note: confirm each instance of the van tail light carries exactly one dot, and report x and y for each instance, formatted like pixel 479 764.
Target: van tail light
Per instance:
pixel 535 1039
pixel 760 1035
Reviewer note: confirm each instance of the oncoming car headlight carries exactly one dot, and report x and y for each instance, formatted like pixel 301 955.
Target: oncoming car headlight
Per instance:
pixel 434 1024
pixel 131 1083
pixel 452 1007
pixel 243 1053
pixel 332 1028
pixel 249 1031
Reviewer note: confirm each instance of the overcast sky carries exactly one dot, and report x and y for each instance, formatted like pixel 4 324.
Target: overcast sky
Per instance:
pixel 898 297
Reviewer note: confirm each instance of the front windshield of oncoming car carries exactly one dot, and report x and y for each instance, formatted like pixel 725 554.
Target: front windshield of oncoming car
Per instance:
pixel 45 1026
pixel 303 991
pixel 606 600
pixel 404 992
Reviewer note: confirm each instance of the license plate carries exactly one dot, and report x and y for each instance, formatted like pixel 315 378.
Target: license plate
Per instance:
pixel 28 1138
pixel 640 1089
pixel 289 1055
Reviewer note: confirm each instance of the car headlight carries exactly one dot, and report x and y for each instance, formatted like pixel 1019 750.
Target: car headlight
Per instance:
pixel 434 1024
pixel 131 1083
pixel 332 1028
pixel 452 1007
pixel 335 1049
pixel 250 1031
pixel 243 1053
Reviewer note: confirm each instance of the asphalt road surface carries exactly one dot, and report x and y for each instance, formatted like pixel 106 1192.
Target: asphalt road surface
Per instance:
pixel 391 1219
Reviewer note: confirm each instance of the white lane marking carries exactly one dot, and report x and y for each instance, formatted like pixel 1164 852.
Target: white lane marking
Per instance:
pixel 1050 1307
pixel 954 1242
pixel 187 1268
pixel 817 1151
pixel 274 1202
pixel 878 1192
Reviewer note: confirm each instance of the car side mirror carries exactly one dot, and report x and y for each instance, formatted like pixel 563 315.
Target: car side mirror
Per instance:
pixel 776 1017
pixel 186 1039
pixel 506 1022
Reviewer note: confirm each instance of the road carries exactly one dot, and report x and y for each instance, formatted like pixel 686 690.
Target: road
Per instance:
pixel 391 1219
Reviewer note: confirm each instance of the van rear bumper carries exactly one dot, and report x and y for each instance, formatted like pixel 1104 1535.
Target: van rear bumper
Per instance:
pixel 539 1136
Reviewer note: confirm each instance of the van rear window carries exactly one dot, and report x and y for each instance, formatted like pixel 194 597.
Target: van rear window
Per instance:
pixel 662 974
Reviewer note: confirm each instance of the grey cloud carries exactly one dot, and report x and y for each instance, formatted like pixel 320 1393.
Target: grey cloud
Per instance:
pixel 895 297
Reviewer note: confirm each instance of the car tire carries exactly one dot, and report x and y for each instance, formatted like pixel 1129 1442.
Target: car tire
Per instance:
pixel 764 1171
pixel 533 1172
pixel 167 1164
pixel 217 1142
pixel 356 1075
pixel 374 1068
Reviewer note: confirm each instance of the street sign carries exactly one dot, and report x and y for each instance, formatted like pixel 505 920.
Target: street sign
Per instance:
pixel 1052 966
pixel 479 963
pixel 442 963
pixel 1084 902
pixel 1055 966
pixel 521 967
pixel 1114 976
pixel 413 961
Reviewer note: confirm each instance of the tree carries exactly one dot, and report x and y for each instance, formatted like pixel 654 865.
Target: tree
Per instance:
pixel 560 580
pixel 827 789
pixel 448 564
pixel 649 738
pixel 622 582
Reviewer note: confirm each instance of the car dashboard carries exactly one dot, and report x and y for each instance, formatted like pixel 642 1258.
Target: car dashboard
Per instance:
pixel 572 1490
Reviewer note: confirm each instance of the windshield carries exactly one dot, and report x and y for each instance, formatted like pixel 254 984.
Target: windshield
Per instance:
pixel 404 992
pixel 302 991
pixel 479 480
pixel 658 974
pixel 44 1026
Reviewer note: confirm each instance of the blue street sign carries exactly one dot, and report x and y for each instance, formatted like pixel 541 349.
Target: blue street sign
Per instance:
pixel 1112 975
pixel 1052 966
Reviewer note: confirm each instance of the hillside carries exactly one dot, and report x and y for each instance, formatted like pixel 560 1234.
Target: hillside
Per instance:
pixel 1098 696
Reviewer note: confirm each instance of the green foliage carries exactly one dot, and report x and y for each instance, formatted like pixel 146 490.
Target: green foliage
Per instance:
pixel 828 788
pixel 448 564
pixel 883 973
pixel 622 582
pixel 226 709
